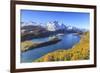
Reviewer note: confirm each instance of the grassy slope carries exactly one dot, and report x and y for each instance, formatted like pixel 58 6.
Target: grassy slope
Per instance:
pixel 26 44
pixel 80 51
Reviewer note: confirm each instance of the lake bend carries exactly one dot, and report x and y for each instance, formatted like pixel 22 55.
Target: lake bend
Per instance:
pixel 67 42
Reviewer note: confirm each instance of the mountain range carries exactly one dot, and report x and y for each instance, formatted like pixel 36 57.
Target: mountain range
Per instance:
pixel 33 29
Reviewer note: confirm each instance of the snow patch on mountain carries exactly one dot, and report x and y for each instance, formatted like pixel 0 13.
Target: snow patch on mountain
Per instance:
pixel 29 23
pixel 53 26
pixel 49 26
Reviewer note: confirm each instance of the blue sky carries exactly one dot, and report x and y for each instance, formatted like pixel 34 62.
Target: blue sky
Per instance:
pixel 80 20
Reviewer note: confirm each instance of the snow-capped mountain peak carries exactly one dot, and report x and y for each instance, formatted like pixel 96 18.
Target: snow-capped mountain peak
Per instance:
pixel 51 26
pixel 69 27
pixel 29 24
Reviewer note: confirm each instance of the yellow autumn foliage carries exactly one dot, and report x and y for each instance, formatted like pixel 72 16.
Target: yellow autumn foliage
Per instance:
pixel 79 51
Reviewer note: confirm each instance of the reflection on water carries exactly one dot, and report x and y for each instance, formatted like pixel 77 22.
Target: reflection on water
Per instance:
pixel 67 41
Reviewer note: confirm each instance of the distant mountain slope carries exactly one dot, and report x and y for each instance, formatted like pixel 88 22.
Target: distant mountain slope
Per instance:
pixel 36 30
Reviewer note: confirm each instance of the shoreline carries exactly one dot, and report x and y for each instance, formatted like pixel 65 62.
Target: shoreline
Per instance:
pixel 77 52
pixel 37 45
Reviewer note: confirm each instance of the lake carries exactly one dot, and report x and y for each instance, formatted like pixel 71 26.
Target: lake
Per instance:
pixel 67 41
